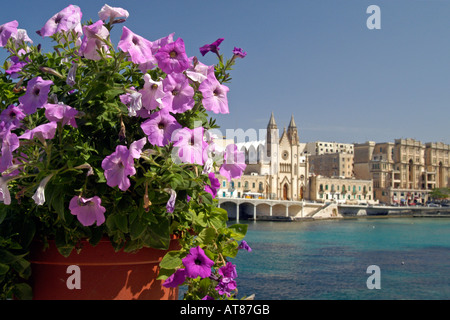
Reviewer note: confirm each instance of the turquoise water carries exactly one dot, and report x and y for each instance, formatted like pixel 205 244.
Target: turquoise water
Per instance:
pixel 329 259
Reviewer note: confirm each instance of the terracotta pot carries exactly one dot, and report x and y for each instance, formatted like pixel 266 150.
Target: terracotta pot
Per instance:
pixel 102 274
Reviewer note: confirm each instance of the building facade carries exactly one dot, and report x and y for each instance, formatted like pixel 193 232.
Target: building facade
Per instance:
pixel 403 171
pixel 341 190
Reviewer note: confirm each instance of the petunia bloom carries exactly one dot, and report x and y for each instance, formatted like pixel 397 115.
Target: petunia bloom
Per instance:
pixel 159 127
pixel 88 210
pixel 177 278
pixel 152 93
pixel 227 284
pixel 12 117
pixel 93 41
pixel 36 95
pixel 66 20
pixel 214 94
pixel 138 48
pixel 10 143
pixel 39 195
pixel 7 30
pixel 213 47
pixel 42 132
pixel 111 13
pixel 244 245
pixel 120 164
pixel 214 185
pixel 170 206
pixel 179 95
pixel 133 100
pixel 61 113
pixel 189 146
pixel 238 52
pixel 234 163
pixel 197 264
pixel 5 196
pixel 172 57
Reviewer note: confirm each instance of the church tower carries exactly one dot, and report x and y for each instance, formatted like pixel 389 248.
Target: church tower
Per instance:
pixel 272 149
pixel 293 133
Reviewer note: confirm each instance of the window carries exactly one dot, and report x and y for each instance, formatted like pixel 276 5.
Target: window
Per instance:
pixel 224 183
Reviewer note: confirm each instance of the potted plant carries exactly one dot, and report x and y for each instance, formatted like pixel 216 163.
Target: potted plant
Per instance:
pixel 106 150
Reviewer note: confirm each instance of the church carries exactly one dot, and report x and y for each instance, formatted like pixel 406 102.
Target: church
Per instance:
pixel 276 167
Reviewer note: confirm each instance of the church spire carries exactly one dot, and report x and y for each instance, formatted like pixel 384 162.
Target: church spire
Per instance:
pixel 292 123
pixel 272 124
pixel 292 132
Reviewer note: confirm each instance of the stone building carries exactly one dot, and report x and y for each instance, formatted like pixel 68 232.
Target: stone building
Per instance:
pixel 342 190
pixel 339 164
pixel 403 171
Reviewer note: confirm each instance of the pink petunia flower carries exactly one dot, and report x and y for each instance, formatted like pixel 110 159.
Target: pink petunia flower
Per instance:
pixel 120 164
pixel 179 95
pixel 177 278
pixel 152 93
pixel 111 13
pixel 139 48
pixel 159 127
pixel 36 95
pixel 43 132
pixel 7 30
pixel 88 210
pixel 213 47
pixel 172 57
pixel 10 143
pixel 92 41
pixel 66 20
pixel 234 163
pixel 214 94
pixel 61 113
pixel 190 146
pixel 12 117
pixel 214 185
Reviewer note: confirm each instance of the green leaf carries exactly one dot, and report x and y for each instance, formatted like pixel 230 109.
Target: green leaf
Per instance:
pixel 207 236
pixel 137 228
pixel 238 231
pixel 171 260
pixel 3 269
pixel 23 291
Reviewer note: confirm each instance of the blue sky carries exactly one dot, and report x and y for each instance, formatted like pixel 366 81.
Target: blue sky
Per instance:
pixel 314 59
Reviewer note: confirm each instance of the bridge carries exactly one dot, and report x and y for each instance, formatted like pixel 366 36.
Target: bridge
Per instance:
pixel 286 210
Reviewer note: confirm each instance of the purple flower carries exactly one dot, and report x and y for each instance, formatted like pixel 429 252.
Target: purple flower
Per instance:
pixel 20 37
pixel 36 95
pixel 112 13
pixel 214 47
pixel 61 113
pixel 159 127
pixel 12 117
pixel 197 263
pixel 170 206
pixel 214 95
pixel 238 52
pixel 120 164
pixel 228 271
pixel 226 286
pixel 178 93
pixel 133 101
pixel 7 30
pixel 139 48
pixel 189 146
pixel 72 74
pixel 10 143
pixel 215 185
pixel 152 93
pixel 234 163
pixel 244 245
pixel 92 41
pixel 43 132
pixel 198 71
pixel 88 210
pixel 172 57
pixel 5 196
pixel 207 298
pixel 177 278
pixel 67 19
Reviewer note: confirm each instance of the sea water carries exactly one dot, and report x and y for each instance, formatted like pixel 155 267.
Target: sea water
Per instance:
pixel 329 259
